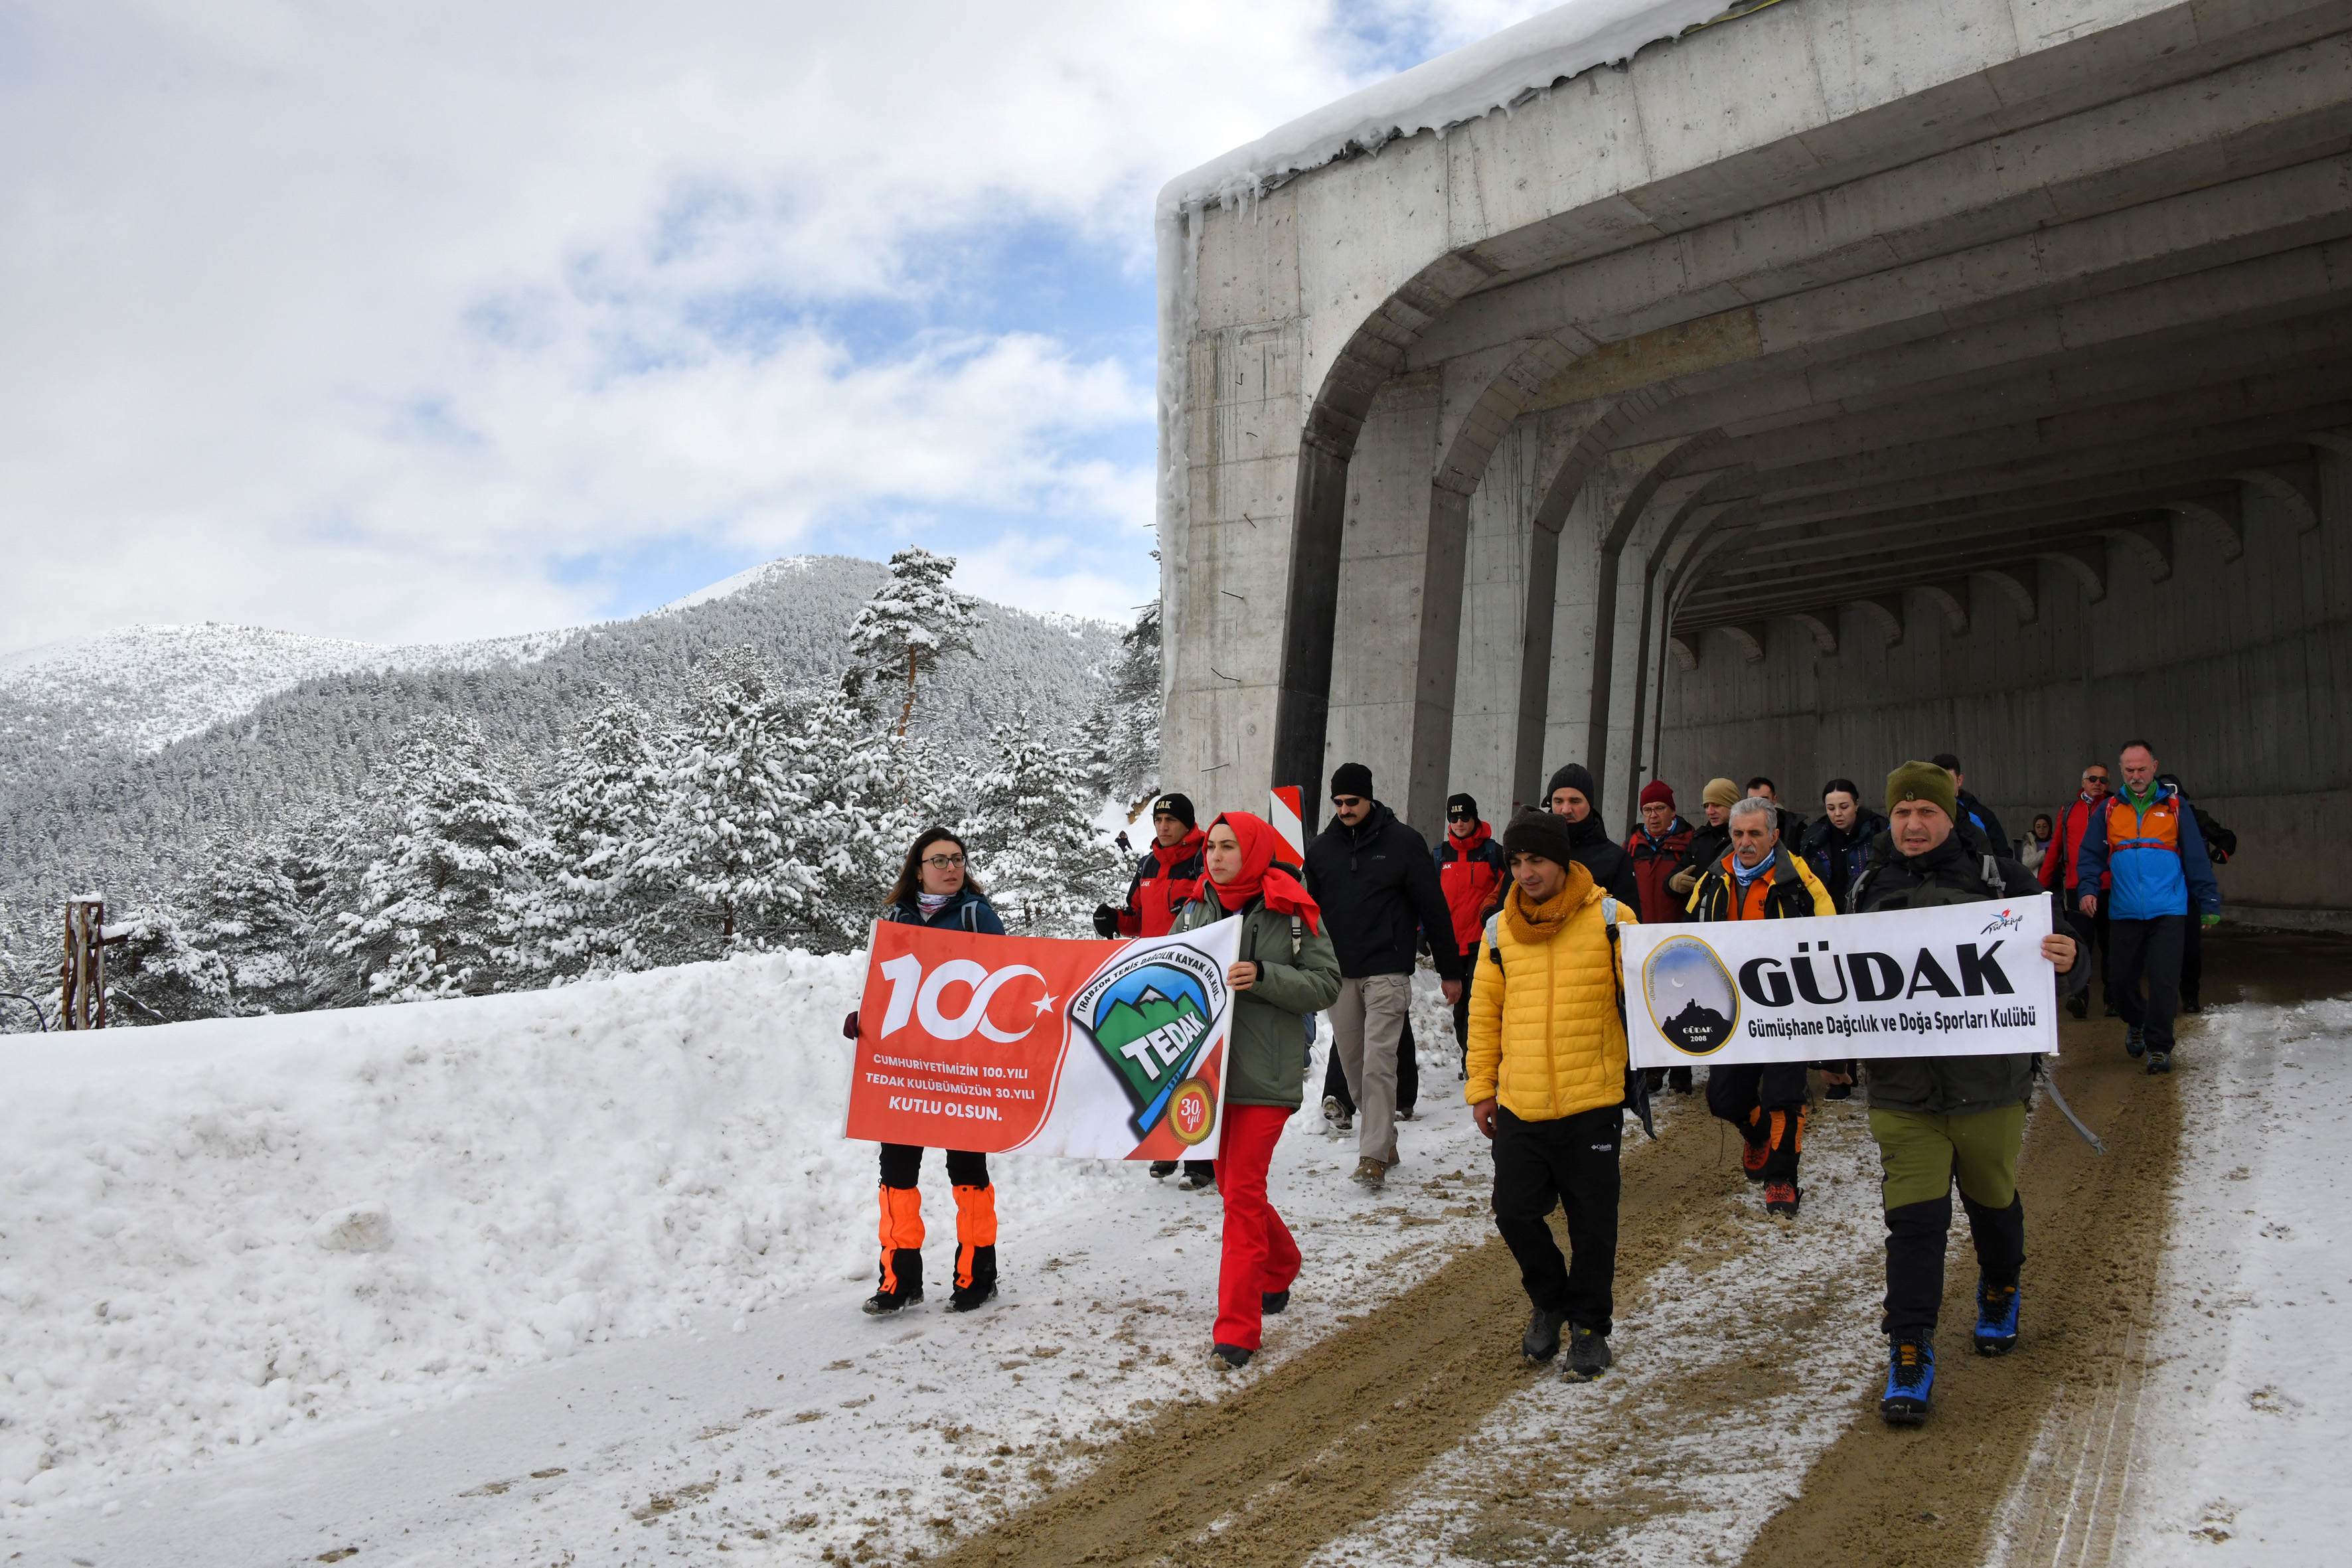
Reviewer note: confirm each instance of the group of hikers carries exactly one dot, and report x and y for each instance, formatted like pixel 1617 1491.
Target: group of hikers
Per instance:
pixel 1524 936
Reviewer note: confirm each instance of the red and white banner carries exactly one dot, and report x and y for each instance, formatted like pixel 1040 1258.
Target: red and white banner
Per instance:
pixel 1108 1051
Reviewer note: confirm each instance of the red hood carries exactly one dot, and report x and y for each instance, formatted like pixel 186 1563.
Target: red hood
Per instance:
pixel 1465 847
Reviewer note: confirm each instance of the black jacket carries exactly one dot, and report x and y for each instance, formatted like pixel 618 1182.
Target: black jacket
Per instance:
pixel 1590 847
pixel 1380 894
pixel 1837 858
pixel 1951 873
pixel 1991 825
pixel 1707 846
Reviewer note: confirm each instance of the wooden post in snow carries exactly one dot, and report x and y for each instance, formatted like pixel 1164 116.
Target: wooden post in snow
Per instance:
pixel 82 993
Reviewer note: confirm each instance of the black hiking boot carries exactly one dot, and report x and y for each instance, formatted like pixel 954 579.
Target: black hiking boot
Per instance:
pixel 1541 1342
pixel 972 1297
pixel 2135 1040
pixel 1588 1354
pixel 1273 1302
pixel 2158 1061
pixel 1234 1356
pixel 888 1303
pixel 1162 1168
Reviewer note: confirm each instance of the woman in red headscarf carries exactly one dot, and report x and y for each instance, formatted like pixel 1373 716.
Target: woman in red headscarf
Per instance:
pixel 1287 972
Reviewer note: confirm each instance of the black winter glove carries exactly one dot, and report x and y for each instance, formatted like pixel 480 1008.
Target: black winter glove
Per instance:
pixel 849 1027
pixel 1106 921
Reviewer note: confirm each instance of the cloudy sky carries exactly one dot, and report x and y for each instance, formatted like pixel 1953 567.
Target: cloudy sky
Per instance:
pixel 434 320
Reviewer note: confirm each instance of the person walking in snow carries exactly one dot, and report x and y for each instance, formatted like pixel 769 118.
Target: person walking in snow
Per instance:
pixel 2148 841
pixel 2057 874
pixel 1165 880
pixel 1377 888
pixel 1471 872
pixel 1761 879
pixel 1574 796
pixel 1942 1120
pixel 936 888
pixel 1288 971
pixel 1548 1085
pixel 1657 848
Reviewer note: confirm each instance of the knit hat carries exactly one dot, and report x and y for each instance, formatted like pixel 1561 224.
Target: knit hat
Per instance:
pixel 1658 792
pixel 1720 792
pixel 1923 781
pixel 1575 776
pixel 1351 778
pixel 1461 807
pixel 1539 833
pixel 1179 807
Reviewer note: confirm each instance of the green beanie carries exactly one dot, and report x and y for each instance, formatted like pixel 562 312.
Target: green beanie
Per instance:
pixel 1923 781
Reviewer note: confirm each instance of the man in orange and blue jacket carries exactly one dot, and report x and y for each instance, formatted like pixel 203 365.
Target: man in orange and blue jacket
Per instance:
pixel 2146 845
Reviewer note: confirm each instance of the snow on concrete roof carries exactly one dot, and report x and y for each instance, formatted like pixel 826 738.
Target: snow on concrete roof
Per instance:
pixel 1468 84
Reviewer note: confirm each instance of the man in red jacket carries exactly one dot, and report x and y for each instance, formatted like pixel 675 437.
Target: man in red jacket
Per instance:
pixel 1166 879
pixel 1470 870
pixel 2058 876
pixel 1657 847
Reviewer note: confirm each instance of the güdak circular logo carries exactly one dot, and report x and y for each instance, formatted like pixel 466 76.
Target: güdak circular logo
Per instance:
pixel 1691 997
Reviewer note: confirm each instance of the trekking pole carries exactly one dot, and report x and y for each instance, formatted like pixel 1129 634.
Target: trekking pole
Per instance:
pixel 2067 1110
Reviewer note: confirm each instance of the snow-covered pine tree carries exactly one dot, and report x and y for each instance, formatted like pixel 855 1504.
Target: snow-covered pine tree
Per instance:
pixel 736 794
pixel 911 622
pixel 261 908
pixel 1031 834
pixel 867 799
pixel 159 974
pixel 438 911
pixel 596 809
pixel 1123 732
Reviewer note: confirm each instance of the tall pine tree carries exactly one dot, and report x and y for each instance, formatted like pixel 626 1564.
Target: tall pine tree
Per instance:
pixel 1123 732
pixel 438 911
pixel 593 909
pixel 1032 836
pixel 912 622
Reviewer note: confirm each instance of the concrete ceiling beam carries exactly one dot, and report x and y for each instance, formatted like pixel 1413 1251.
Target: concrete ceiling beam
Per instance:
pixel 2294 486
pixel 2151 539
pixel 2221 515
pixel 1953 597
pixel 2021 585
pixel 1725 593
pixel 1822 629
pixel 1684 651
pixel 2087 564
pixel 1748 637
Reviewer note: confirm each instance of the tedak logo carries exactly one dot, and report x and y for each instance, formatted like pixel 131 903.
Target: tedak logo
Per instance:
pixel 1149 1015
pixel 1690 994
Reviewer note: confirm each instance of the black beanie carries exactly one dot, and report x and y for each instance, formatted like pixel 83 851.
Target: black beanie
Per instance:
pixel 1463 803
pixel 1577 777
pixel 1179 807
pixel 1351 778
pixel 1540 833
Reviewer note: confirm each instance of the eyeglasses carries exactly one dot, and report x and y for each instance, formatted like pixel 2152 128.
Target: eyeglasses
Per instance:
pixel 1345 801
pixel 945 862
pixel 2094 778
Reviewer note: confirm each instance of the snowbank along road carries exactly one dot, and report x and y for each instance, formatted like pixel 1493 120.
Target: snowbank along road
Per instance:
pixel 571 1278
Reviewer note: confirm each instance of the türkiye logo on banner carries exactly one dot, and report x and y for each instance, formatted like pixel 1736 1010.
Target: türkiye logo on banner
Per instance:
pixel 1100 1049
pixel 1951 980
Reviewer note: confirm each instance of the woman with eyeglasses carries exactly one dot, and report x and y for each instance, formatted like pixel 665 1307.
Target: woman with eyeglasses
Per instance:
pixel 935 888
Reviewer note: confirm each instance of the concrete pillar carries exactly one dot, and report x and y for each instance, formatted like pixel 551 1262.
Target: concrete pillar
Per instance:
pixel 1500 537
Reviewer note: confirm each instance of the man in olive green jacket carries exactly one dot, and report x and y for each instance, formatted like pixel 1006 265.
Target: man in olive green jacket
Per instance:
pixel 1286 971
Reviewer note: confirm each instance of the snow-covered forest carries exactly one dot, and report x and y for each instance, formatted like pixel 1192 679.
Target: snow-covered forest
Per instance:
pixel 740 771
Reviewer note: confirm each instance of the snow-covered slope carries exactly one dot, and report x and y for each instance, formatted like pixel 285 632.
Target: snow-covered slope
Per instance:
pixel 141 688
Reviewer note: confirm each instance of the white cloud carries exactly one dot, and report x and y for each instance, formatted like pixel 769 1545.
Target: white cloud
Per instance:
pixel 367 320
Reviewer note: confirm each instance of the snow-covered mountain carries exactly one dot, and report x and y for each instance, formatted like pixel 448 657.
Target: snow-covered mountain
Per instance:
pixel 142 688
pixel 122 755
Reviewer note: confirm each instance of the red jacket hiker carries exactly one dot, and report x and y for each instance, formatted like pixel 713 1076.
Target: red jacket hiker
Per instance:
pixel 2066 842
pixel 1469 870
pixel 1166 879
pixel 1655 860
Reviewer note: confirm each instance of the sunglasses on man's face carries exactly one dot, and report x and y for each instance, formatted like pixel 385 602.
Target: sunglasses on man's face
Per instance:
pixel 1347 802
pixel 2094 778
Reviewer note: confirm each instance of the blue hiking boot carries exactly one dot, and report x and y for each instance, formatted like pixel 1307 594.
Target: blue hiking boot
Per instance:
pixel 2135 1040
pixel 2159 1061
pixel 1910 1378
pixel 1996 1318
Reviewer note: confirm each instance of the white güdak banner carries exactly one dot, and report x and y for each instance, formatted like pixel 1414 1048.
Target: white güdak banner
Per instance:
pixel 1958 980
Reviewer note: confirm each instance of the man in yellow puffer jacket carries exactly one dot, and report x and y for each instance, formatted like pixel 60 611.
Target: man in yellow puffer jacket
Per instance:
pixel 1546 1065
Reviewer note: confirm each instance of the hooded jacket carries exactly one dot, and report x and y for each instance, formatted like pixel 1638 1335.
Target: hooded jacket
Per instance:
pixel 967 911
pixel 2057 869
pixel 1471 870
pixel 1951 873
pixel 1165 880
pixel 2156 856
pixel 1378 892
pixel 1546 1039
pixel 1655 860
pixel 1791 891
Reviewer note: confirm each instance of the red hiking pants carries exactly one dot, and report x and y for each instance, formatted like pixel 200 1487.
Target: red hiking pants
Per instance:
pixel 1259 1255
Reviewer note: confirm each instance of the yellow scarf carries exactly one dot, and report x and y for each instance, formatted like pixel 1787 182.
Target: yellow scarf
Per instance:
pixel 1532 923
